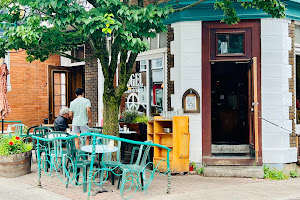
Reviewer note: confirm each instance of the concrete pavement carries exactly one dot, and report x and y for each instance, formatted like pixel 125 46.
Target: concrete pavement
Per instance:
pixel 184 187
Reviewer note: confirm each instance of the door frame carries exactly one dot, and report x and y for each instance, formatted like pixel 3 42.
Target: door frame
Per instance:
pixel 252 50
pixel 70 80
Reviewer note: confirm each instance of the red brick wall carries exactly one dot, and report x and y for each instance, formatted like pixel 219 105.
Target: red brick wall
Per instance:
pixel 28 97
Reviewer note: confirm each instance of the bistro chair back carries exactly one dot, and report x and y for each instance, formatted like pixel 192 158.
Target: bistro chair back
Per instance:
pixel 58 149
pixel 18 129
pixel 137 168
pixel 40 132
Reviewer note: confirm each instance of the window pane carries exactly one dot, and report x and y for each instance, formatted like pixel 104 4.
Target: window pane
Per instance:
pixel 63 100
pixel 63 78
pixel 230 43
pixel 56 78
pixel 297 34
pixel 153 43
pixel 162 40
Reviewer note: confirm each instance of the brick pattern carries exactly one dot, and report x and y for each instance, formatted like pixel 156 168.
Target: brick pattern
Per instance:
pixel 91 83
pixel 292 89
pixel 28 97
pixel 170 64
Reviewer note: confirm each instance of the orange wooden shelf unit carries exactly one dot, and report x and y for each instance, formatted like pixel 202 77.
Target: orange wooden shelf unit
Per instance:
pixel 178 141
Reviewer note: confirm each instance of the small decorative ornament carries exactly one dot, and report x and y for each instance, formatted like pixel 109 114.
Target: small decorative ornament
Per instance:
pixel 17 138
pixel 10 143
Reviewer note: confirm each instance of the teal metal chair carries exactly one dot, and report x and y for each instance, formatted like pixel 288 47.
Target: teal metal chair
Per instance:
pixel 108 162
pixel 18 128
pixel 79 160
pixel 40 132
pixel 138 168
pixel 56 149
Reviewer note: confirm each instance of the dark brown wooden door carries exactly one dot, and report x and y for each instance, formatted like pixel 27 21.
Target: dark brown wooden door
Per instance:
pixel 253 110
pixel 62 82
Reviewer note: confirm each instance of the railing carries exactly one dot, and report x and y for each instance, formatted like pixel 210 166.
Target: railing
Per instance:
pixel 69 163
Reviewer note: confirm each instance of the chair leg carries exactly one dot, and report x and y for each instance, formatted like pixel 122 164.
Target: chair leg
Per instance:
pixel 77 176
pixel 84 179
pixel 142 180
pixel 120 179
pixel 112 178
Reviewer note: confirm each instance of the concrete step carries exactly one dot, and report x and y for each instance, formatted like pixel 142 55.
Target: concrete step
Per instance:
pixel 221 148
pixel 234 171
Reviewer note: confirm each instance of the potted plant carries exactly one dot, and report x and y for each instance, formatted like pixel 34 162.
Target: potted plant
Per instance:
pixel 135 122
pixel 15 156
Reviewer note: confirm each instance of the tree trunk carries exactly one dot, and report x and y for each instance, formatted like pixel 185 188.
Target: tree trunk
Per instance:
pixel 110 112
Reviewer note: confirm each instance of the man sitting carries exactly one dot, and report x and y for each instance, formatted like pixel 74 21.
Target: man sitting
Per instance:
pixel 60 123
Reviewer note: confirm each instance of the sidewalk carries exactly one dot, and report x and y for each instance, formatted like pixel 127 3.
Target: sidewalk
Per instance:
pixel 184 187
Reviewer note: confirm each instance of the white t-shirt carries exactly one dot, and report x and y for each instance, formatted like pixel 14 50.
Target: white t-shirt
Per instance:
pixel 78 107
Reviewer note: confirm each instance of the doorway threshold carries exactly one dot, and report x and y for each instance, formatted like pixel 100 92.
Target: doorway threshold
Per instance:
pixel 231 160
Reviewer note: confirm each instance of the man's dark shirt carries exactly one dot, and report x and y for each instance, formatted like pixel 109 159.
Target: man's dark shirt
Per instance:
pixel 60 123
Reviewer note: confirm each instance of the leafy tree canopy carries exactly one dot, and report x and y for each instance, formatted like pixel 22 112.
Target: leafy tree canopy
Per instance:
pixel 57 26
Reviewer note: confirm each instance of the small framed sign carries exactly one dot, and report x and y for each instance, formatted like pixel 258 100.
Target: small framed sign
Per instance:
pixel 191 101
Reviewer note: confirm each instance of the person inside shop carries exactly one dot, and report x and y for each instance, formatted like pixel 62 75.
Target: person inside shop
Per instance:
pixel 61 122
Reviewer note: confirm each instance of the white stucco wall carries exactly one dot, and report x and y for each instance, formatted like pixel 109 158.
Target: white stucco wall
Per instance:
pixel 275 95
pixel 66 62
pixel 186 74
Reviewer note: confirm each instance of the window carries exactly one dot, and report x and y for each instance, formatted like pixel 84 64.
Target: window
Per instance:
pixel 145 89
pixel 60 87
pixel 143 66
pixel 78 53
pixel 160 41
pixel 230 43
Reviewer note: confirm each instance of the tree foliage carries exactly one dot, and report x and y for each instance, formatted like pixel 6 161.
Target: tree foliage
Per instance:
pixel 58 26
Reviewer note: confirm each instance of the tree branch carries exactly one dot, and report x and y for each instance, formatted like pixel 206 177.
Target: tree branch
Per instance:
pixel 189 6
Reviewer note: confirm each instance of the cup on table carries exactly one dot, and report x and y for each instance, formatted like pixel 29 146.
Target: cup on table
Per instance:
pixel 68 130
pixel 125 128
pixel 97 124
pixel 111 143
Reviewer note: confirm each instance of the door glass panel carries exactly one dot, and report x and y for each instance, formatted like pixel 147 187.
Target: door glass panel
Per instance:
pixel 59 91
pixel 230 43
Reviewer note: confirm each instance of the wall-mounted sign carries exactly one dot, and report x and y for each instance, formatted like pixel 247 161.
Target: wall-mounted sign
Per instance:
pixel 191 101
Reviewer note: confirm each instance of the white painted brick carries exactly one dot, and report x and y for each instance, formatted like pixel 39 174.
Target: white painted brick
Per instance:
pixel 277 42
pixel 191 30
pixel 275 141
pixel 279 155
pixel 191 73
pixel 274 85
pixel 276 71
pixel 274 99
pixel 191 45
pixel 275 112
pixel 275 57
pixel 190 59
pixel 274 27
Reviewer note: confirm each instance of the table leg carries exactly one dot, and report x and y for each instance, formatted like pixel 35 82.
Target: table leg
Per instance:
pixel 100 188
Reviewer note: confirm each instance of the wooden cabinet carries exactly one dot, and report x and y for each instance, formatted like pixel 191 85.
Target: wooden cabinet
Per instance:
pixel 178 140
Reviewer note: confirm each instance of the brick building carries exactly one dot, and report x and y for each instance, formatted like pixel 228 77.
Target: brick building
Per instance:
pixel 28 88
